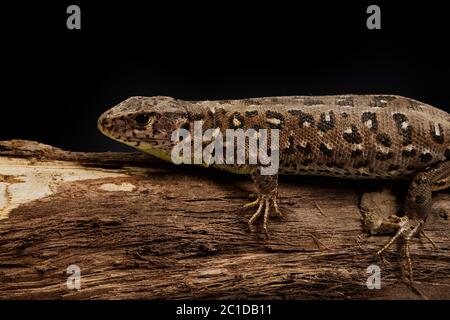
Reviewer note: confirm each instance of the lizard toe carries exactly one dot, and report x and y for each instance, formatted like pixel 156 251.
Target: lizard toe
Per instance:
pixel 263 204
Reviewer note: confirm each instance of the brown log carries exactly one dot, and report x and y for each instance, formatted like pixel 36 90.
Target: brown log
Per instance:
pixel 141 228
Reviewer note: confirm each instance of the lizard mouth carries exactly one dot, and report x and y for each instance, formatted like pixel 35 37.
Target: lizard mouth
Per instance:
pixel 106 127
pixel 104 124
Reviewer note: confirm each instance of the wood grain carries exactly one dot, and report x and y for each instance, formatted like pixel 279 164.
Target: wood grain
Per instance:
pixel 180 233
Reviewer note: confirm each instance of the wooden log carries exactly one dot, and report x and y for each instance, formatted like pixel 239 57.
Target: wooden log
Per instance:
pixel 138 227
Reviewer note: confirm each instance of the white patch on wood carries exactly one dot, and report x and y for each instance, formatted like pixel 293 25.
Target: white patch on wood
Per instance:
pixel 358 146
pixel 306 124
pixel 125 186
pixel 327 117
pixel 37 180
pixel 236 122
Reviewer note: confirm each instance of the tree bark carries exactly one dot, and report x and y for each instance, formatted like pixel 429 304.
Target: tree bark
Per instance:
pixel 138 227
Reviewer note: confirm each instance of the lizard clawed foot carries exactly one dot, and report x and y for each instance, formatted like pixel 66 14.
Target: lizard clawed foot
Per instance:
pixel 263 201
pixel 407 228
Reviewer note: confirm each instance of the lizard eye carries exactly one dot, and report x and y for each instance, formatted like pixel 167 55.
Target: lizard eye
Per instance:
pixel 142 119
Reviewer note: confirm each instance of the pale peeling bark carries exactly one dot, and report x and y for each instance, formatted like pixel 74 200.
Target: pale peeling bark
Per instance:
pixel 141 228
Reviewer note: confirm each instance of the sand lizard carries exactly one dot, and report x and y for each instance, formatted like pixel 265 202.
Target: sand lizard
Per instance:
pixel 348 136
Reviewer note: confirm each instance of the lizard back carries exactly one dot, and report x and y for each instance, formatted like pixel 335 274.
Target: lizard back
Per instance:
pixel 354 136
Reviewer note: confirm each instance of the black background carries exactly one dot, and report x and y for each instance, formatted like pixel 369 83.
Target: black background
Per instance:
pixel 56 82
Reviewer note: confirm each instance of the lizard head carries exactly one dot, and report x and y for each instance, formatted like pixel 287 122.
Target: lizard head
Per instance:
pixel 145 123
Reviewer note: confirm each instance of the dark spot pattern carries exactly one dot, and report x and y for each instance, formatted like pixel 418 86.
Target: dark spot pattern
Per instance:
pixel 330 164
pixel 251 114
pixel 239 118
pixel 426 157
pixel 312 102
pixel 356 153
pixel 421 180
pixel 219 116
pixel 290 149
pixel 399 118
pixel 437 138
pixel 306 162
pixel 305 150
pixel 440 183
pixel 325 150
pixel 384 139
pixel 447 154
pixel 174 115
pixel 380 101
pixel 344 114
pixel 256 127
pixel 303 117
pixel 344 101
pixel 275 100
pixel 294 149
pixel 353 137
pixel 420 199
pixel 407 136
pixel 409 153
pixel 248 101
pixel 384 156
pixel 195 116
pixel 324 125
pixel 414 105
pixel 275 115
pixel 361 164
pixel 366 116
pixel 393 167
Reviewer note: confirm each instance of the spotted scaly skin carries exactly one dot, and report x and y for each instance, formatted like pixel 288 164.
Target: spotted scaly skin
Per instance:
pixel 348 136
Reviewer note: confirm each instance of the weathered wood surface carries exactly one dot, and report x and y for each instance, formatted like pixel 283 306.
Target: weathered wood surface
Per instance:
pixel 156 230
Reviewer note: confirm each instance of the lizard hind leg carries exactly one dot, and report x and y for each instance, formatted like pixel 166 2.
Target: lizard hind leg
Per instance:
pixel 418 207
pixel 266 187
pixel 407 228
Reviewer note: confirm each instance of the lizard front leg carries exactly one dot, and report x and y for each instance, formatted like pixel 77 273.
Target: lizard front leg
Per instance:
pixel 266 188
pixel 418 206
